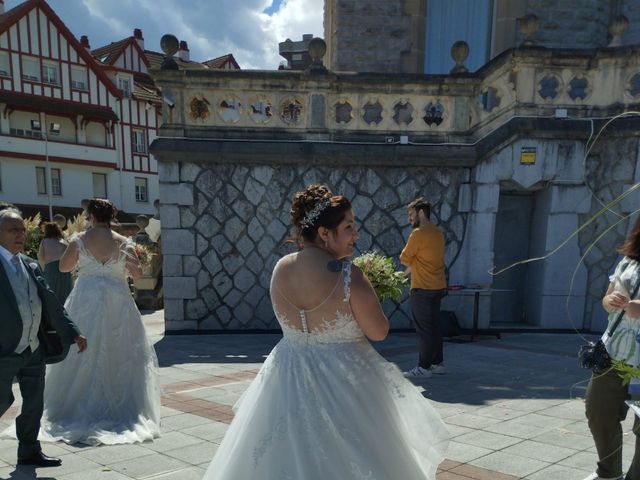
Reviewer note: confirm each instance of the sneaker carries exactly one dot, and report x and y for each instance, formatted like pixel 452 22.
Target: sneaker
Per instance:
pixel 594 476
pixel 418 372
pixel 438 369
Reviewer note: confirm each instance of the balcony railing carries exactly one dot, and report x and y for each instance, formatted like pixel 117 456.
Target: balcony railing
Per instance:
pixel 522 82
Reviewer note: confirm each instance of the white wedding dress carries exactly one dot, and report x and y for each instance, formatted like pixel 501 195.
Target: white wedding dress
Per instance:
pixel 326 405
pixel 109 393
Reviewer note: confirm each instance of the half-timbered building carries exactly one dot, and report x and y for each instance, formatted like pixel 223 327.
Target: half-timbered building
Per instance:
pixel 76 123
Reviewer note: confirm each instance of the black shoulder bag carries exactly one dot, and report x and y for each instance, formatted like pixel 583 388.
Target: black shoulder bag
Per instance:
pixel 594 356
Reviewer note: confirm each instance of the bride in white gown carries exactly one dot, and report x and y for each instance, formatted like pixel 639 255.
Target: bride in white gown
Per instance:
pixel 325 404
pixel 111 394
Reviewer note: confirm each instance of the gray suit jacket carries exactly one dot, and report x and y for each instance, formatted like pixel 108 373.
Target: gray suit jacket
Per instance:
pixel 57 330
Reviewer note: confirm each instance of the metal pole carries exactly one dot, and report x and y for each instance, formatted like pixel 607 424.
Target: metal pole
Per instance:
pixel 48 181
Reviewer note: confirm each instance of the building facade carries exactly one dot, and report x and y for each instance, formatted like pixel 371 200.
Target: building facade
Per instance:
pixel 76 123
pixel 510 154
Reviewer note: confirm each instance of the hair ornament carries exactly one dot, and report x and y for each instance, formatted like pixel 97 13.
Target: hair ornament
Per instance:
pixel 315 212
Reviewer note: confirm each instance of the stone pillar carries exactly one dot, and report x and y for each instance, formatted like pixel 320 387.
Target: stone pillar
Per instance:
pixel 563 279
pixel 177 243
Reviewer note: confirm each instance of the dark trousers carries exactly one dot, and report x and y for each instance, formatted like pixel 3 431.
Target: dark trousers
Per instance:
pixel 425 308
pixel 29 368
pixel 605 410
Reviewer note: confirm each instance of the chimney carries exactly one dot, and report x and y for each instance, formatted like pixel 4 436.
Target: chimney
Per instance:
pixel 183 51
pixel 84 42
pixel 1 7
pixel 137 34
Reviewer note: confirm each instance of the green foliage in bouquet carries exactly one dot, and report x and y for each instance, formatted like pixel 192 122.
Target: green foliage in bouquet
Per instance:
pixel 386 280
pixel 626 372
pixel 34 236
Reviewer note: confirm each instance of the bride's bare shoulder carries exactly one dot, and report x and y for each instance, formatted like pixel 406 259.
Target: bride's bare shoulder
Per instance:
pixel 286 263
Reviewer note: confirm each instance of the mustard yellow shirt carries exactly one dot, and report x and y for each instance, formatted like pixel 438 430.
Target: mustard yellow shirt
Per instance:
pixel 424 253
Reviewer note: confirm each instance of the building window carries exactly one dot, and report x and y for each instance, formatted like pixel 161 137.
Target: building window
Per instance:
pixel 79 78
pixel 138 141
pixel 141 190
pixel 30 69
pixel 100 185
pixel 125 86
pixel 50 73
pixel 5 69
pixel 41 180
pixel 56 182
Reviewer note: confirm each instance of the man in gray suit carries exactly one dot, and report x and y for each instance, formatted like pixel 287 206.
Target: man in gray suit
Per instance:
pixel 35 330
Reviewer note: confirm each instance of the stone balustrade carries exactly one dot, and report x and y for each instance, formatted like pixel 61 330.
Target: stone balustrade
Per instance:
pixel 521 82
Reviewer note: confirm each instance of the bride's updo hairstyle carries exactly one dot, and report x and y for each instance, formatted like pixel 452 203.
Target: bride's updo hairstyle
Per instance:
pixel 317 207
pixel 102 210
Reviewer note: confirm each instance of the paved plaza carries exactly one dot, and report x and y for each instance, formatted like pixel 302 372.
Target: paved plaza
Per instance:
pixel 514 407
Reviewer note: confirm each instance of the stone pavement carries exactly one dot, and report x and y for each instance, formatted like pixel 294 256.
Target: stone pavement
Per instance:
pixel 514 408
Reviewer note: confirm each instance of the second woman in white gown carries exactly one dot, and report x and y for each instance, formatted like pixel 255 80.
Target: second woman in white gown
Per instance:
pixel 325 404
pixel 110 395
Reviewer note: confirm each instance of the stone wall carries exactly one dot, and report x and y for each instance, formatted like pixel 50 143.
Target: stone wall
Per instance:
pixel 374 35
pixel 225 227
pixel 611 168
pixel 631 9
pixel 571 23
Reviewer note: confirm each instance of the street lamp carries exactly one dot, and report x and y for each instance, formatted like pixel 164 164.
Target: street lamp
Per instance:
pixel 48 180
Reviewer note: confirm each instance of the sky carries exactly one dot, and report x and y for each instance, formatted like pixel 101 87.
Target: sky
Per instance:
pixel 249 29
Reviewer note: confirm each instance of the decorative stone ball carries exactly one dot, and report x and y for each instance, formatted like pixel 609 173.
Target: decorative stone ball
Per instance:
pixel 529 25
pixel 618 26
pixel 460 51
pixel 169 44
pixel 142 221
pixel 317 49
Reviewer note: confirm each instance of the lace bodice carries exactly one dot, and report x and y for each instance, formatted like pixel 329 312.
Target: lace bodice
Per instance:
pixel 331 321
pixel 341 329
pixel 88 265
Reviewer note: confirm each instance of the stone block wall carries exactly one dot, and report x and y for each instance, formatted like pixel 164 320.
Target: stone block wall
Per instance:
pixel 371 35
pixel 571 23
pixel 611 168
pixel 631 9
pixel 221 244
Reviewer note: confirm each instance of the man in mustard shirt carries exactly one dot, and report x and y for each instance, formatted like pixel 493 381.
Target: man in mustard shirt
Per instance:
pixel 424 257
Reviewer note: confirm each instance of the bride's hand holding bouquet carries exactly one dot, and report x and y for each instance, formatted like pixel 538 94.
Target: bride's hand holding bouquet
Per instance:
pixel 387 282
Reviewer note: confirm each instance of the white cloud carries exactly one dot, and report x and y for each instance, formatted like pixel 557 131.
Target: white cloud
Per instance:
pixel 211 28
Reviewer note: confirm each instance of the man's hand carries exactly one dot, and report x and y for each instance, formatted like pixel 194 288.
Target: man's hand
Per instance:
pixel 81 342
